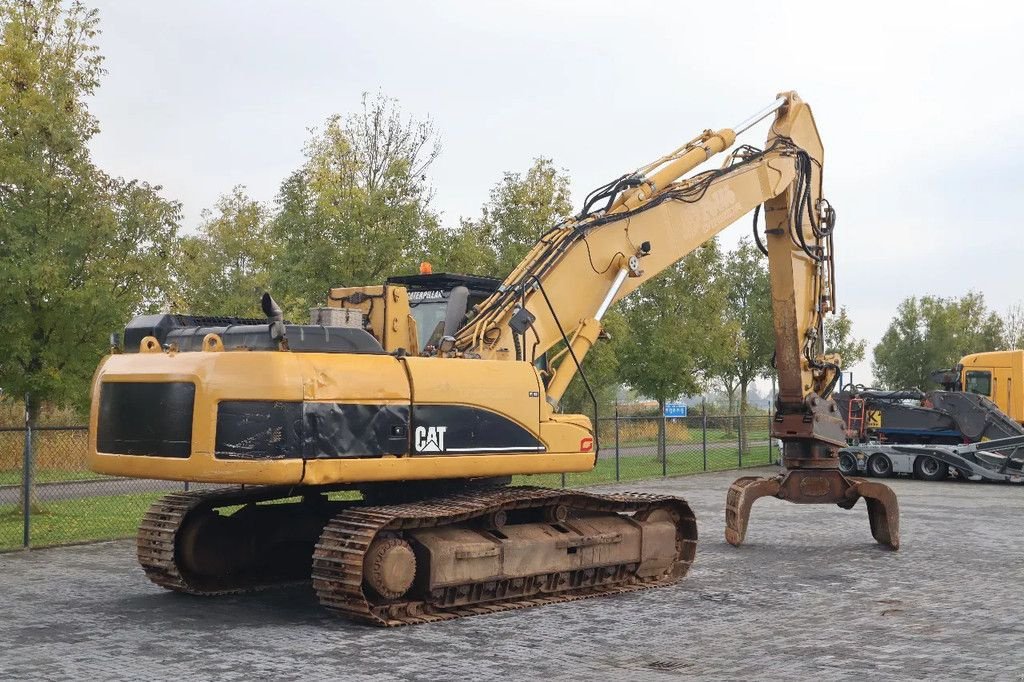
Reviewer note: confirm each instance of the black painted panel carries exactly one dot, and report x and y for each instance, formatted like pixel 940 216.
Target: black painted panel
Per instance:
pixel 146 418
pixel 462 429
pixel 253 429
pixel 259 429
pixel 334 430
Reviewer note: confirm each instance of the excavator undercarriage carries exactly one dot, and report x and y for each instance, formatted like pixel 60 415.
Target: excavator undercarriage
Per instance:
pixel 474 552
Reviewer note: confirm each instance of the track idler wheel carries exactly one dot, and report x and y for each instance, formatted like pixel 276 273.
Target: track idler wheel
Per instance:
pixel 389 567
pixel 814 486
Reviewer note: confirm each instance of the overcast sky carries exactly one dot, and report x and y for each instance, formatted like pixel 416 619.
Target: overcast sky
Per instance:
pixel 919 106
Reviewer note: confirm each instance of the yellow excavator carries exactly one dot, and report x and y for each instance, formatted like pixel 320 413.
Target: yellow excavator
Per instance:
pixel 429 410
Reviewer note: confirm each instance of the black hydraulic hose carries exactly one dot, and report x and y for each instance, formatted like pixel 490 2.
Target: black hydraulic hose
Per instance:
pixel 757 235
pixel 579 367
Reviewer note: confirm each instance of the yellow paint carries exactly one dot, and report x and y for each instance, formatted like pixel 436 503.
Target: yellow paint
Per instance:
pixel 1007 373
pixel 510 388
pixel 874 419
pixel 581 275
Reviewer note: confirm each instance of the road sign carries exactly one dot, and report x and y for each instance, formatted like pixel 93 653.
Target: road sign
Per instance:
pixel 675 409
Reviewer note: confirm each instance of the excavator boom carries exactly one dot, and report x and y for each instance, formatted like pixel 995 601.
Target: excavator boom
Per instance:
pixel 653 218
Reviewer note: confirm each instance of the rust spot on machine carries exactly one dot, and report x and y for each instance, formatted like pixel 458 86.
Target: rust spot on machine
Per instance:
pixel 812 476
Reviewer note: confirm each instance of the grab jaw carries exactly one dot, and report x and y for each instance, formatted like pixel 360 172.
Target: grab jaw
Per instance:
pixel 812 476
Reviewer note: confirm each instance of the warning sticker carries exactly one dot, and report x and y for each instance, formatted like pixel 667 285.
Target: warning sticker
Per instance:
pixel 874 419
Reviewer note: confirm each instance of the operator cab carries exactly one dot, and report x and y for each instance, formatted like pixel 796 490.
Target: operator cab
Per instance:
pixel 429 294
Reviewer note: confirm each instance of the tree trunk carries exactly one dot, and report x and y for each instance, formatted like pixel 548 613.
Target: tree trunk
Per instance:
pixel 730 391
pixel 742 422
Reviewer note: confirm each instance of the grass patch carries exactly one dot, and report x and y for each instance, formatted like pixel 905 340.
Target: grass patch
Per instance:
pixel 85 519
pixel 13 476
pixel 109 517
pixel 695 438
pixel 648 466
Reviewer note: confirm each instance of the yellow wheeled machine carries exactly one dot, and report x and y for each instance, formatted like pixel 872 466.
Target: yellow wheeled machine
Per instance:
pixel 429 415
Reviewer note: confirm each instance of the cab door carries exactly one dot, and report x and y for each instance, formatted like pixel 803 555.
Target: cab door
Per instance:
pixel 1002 388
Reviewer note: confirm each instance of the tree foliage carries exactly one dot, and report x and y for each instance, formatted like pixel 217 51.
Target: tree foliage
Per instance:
pixel 225 268
pixel 839 338
pixel 1013 327
pixel 675 330
pixel 358 210
pixel 522 207
pixel 930 333
pixel 79 251
pixel 747 322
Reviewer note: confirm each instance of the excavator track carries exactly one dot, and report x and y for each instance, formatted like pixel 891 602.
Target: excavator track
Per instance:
pixel 180 529
pixel 343 554
pixel 163 543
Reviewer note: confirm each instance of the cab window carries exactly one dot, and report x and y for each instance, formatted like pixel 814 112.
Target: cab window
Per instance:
pixel 979 382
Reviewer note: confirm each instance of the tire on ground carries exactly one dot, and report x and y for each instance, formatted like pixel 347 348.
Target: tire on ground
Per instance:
pixel 847 463
pixel 880 465
pixel 928 468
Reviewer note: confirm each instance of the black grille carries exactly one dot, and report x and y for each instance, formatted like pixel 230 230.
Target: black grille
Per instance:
pixel 146 418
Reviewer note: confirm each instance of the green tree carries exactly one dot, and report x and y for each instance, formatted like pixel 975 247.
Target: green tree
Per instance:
pixel 80 252
pixel 747 323
pixel 675 330
pixel 932 333
pixel 1013 326
pixel 839 338
pixel 225 268
pixel 465 249
pixel 358 210
pixel 522 207
pixel 601 367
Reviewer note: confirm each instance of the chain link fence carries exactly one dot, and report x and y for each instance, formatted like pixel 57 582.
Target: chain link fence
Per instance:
pixel 48 496
pixel 638 448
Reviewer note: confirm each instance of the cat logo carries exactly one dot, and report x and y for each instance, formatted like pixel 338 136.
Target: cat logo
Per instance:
pixel 430 438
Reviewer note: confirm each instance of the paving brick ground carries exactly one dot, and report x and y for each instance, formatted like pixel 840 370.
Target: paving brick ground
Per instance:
pixel 810 597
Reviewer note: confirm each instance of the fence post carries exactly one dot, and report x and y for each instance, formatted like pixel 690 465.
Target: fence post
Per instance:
pixel 770 460
pixel 664 445
pixel 739 439
pixel 26 486
pixel 563 479
pixel 616 441
pixel 704 431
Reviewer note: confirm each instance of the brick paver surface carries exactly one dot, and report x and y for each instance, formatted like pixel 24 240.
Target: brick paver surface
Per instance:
pixel 809 597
